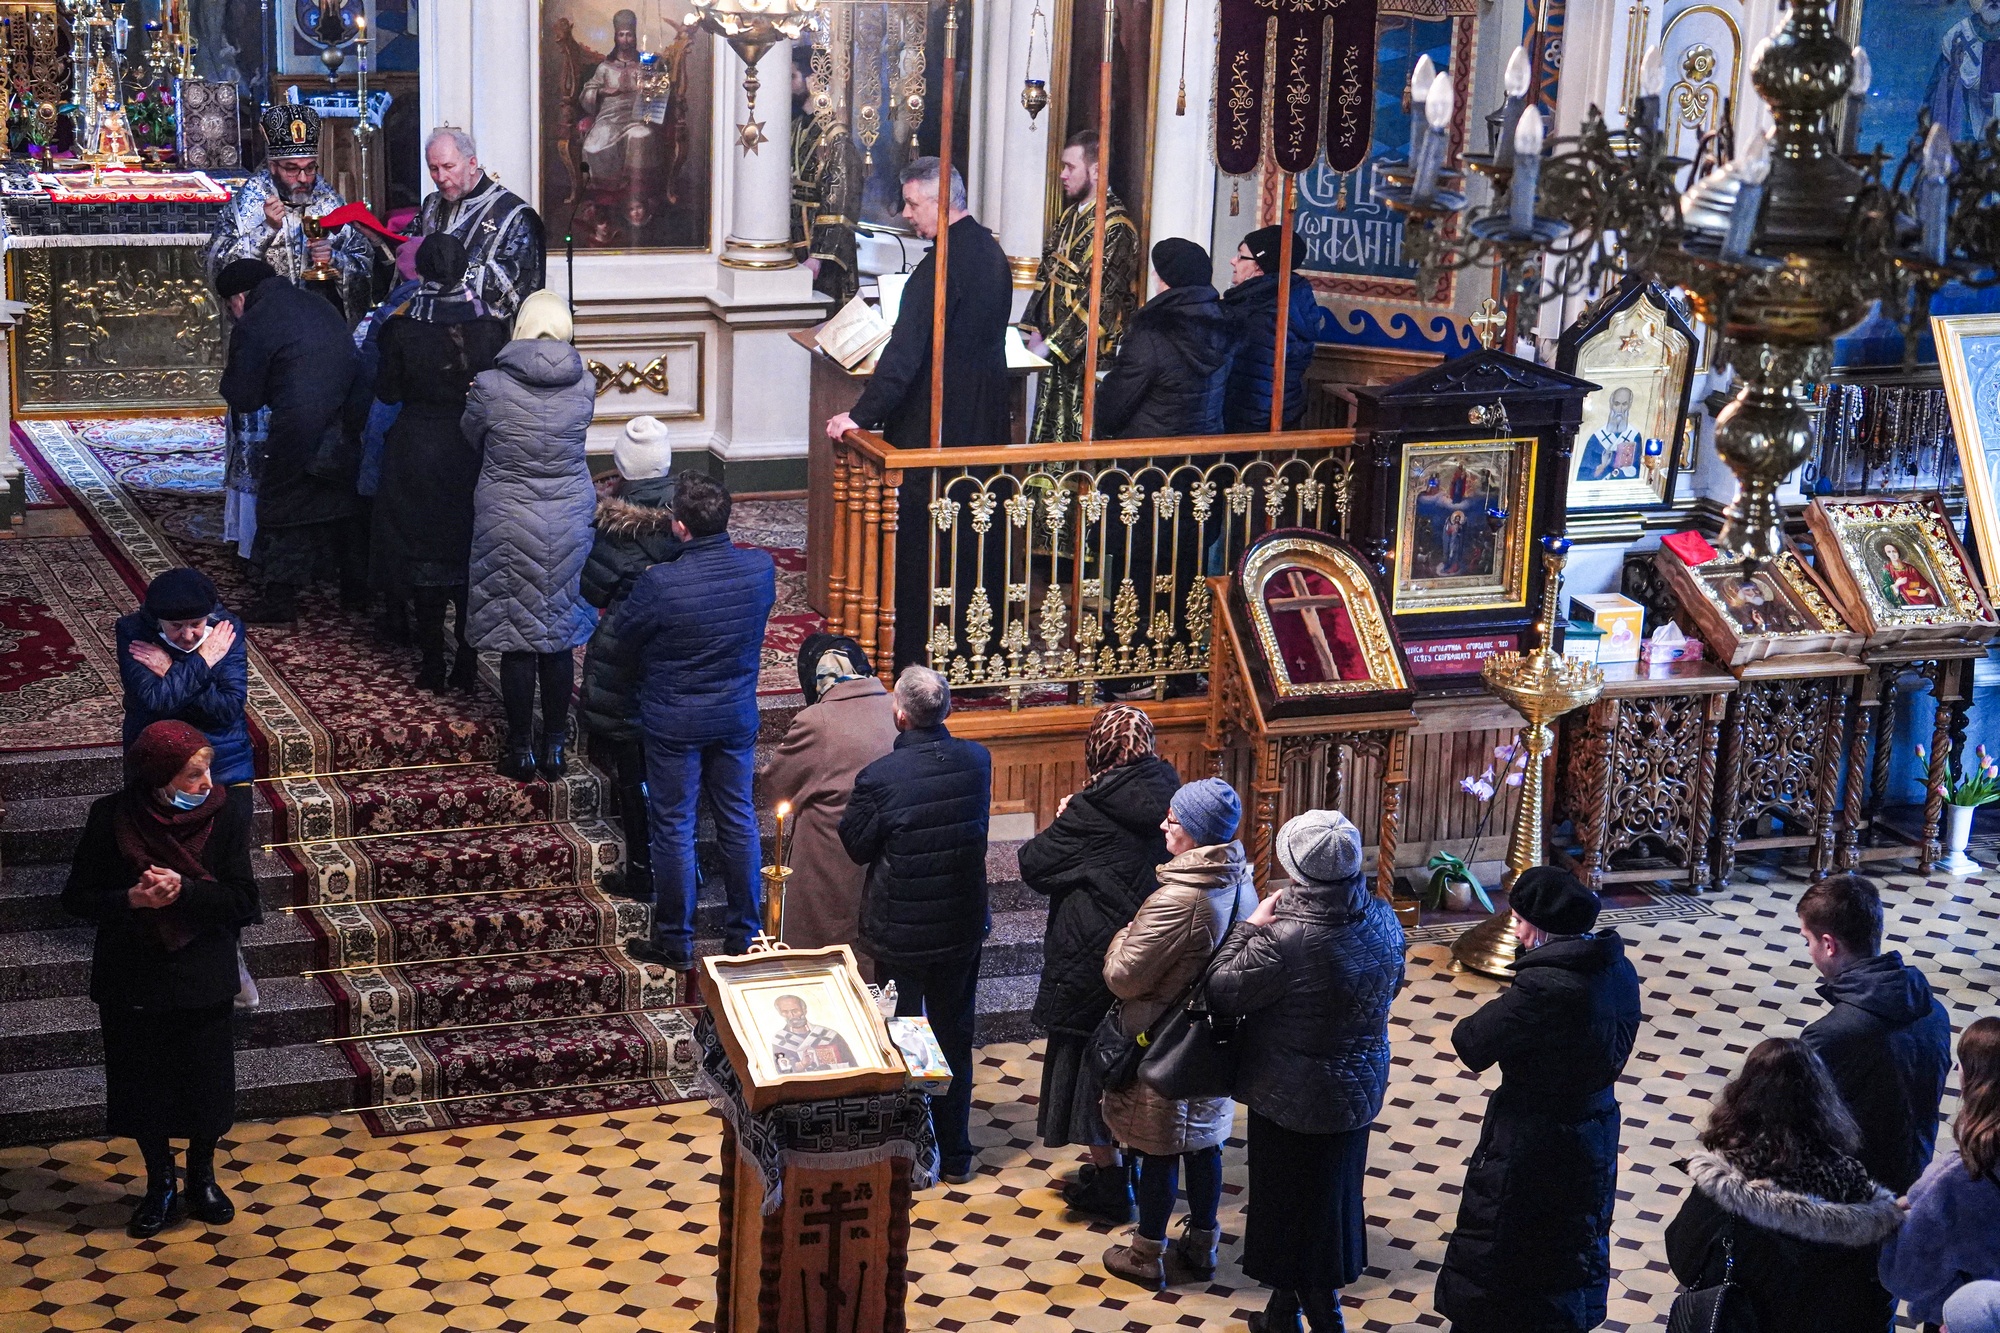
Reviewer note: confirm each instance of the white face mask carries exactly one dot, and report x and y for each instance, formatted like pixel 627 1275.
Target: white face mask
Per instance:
pixel 206 631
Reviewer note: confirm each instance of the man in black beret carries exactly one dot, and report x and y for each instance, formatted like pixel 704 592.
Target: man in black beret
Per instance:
pixel 1253 303
pixel 1532 1249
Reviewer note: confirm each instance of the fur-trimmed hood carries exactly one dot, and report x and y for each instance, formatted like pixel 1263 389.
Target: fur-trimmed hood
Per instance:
pixel 621 518
pixel 1766 1204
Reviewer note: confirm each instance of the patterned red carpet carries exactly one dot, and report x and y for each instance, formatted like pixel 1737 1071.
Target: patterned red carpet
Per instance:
pixel 59 597
pixel 475 960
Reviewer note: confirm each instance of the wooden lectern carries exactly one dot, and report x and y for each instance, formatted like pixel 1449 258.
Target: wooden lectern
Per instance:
pixel 800 1066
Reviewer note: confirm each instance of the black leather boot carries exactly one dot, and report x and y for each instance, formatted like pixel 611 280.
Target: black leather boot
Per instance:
pixel 206 1202
pixel 1322 1311
pixel 550 757
pixel 517 760
pixel 1279 1315
pixel 1104 1193
pixel 465 669
pixel 160 1207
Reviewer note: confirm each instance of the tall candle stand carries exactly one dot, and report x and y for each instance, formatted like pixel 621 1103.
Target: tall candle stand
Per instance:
pixel 1541 686
pixel 777 877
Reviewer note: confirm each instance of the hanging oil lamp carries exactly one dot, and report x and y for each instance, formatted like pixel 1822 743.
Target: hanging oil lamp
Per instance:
pixel 1035 92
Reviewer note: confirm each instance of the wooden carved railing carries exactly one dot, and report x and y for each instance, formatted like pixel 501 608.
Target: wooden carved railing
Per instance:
pixel 1051 567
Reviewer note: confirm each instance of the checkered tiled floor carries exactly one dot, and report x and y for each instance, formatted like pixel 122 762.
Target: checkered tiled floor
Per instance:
pixel 607 1224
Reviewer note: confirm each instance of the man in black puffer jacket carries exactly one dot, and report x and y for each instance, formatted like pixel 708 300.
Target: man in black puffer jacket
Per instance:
pixel 1253 303
pixel 1167 379
pixel 917 820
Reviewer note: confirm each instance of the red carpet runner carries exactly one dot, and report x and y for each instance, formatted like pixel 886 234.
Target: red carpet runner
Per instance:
pixel 473 958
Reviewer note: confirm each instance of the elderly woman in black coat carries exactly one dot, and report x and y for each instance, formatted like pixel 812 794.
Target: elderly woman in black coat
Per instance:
pixel 1168 376
pixel 1532 1248
pixel 164 871
pixel 1314 969
pixel 1095 863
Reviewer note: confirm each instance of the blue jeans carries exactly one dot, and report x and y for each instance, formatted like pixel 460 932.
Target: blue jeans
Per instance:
pixel 676 776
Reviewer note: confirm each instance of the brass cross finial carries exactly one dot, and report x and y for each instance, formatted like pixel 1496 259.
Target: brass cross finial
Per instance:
pixel 1487 322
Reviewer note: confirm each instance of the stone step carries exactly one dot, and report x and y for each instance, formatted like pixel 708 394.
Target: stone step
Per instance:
pixel 59 1033
pixel 45 830
pixel 38 774
pixel 271 1082
pixel 31 895
pixel 39 964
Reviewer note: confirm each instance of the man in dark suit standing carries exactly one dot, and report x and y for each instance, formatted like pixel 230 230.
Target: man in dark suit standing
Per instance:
pixel 979 296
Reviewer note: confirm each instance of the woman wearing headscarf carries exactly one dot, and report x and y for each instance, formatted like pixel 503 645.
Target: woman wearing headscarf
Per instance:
pixel 848 723
pixel 163 870
pixel 1095 865
pixel 531 528
pixel 422 525
pixel 1204 890
pixel 1313 971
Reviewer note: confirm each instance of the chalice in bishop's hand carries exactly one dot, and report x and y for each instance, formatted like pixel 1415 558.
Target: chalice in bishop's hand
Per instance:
pixel 322 270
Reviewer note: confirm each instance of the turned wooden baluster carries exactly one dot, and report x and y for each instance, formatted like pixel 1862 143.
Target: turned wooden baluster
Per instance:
pixel 852 547
pixel 1827 785
pixel 836 579
pixel 1713 710
pixel 871 559
pixel 1854 808
pixel 885 634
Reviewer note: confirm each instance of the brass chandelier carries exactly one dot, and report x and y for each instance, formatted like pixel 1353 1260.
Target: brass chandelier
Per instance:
pixel 1781 247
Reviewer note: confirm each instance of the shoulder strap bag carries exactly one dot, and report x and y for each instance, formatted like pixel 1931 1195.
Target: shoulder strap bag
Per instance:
pixel 1191 1051
pixel 1115 1058
pixel 1722 1308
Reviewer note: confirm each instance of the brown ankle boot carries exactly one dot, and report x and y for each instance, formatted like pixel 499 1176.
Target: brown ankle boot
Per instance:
pixel 1141 1262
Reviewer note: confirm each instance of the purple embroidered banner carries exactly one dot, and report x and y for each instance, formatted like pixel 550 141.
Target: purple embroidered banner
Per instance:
pixel 1351 84
pixel 1239 85
pixel 1281 70
pixel 1296 107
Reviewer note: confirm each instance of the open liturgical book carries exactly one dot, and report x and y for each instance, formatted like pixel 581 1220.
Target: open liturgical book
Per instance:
pixel 858 332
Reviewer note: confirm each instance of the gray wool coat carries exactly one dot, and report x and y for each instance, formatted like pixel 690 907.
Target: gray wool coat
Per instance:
pixel 534 504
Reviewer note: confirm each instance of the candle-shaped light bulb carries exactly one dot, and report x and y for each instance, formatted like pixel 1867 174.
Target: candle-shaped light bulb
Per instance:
pixel 1518 74
pixel 1527 171
pixel 1934 193
pixel 1422 75
pixel 1864 73
pixel 1437 119
pixel 1653 71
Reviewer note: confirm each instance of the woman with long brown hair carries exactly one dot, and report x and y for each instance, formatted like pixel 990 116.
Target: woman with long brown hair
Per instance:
pixel 1952 1236
pixel 1779 1191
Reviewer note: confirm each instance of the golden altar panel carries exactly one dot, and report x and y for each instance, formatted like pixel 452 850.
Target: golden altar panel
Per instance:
pixel 113 328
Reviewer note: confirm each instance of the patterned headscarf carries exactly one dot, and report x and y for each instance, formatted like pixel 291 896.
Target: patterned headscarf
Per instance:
pixel 1120 734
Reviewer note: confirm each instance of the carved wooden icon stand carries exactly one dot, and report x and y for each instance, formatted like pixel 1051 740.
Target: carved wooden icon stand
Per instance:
pixel 1781 631
pixel 1904 581
pixel 832 1254
pixel 1305 661
pixel 1639 774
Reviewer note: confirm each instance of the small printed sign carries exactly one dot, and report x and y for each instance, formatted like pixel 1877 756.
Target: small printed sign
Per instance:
pixel 1456 656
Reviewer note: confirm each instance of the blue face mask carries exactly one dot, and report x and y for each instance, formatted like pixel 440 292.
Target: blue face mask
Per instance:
pixel 186 800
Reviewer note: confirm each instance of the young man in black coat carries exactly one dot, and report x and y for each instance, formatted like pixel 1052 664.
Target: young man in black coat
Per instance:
pixel 1168 377
pixel 1531 1252
pixel 291 351
pixel 1886 1041
pixel 917 820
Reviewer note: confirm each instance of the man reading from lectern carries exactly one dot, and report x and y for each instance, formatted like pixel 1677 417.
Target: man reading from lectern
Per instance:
pixel 802 1046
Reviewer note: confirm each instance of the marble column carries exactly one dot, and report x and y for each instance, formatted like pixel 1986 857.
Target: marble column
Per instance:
pixel 496 38
pixel 760 190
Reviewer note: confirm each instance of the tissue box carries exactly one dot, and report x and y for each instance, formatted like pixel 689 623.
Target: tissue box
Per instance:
pixel 1653 653
pixel 1618 618
pixel 921 1054
pixel 1581 640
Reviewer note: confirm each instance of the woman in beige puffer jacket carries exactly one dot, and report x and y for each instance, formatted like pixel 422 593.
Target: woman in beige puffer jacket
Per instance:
pixel 1205 887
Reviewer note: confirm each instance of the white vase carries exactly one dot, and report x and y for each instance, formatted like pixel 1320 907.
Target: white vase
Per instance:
pixel 1957 832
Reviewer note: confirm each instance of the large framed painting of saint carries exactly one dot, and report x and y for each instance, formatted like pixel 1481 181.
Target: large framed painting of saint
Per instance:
pixel 1462 525
pixel 1969 359
pixel 1639 349
pixel 625 116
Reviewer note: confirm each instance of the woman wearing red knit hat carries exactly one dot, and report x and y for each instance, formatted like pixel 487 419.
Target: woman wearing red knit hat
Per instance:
pixel 164 871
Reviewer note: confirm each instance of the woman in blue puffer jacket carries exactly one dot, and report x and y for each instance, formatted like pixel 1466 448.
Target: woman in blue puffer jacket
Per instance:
pixel 182 658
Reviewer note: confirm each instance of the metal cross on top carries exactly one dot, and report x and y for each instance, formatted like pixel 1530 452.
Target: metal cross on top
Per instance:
pixel 1308 605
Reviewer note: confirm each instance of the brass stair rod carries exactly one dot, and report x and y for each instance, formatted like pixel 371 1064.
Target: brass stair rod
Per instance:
pixel 363 772
pixel 510 1092
pixel 462 958
pixel 481 1027
pixel 412 833
pixel 433 897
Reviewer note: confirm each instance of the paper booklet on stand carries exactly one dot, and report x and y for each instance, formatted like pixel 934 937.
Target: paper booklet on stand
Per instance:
pixel 854 332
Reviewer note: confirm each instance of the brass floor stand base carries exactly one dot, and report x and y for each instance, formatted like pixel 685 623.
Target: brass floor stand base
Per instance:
pixel 1489 948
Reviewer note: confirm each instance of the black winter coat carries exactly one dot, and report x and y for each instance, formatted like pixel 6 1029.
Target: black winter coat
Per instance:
pixel 291 352
pixel 422 534
pixel 695 628
pixel 130 967
pixel 1807 1264
pixel 635 531
pixel 1532 1248
pixel 980 300
pixel 1253 305
pixel 917 820
pixel 1095 864
pixel 1887 1043
pixel 1316 985
pixel 1168 377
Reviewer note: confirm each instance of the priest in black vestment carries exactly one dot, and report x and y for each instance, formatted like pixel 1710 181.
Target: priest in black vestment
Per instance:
pixel 979 296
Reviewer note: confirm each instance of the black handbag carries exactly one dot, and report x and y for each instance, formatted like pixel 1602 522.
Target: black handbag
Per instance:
pixel 1722 1308
pixel 1119 1060
pixel 1190 1051
pixel 1113 1056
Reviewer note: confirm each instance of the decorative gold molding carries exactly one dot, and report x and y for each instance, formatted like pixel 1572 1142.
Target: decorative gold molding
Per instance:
pixel 1025 269
pixel 629 377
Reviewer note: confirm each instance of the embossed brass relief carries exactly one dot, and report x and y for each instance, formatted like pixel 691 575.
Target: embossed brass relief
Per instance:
pixel 114 327
pixel 629 377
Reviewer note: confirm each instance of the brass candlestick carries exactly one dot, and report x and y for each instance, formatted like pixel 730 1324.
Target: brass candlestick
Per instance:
pixel 776 876
pixel 1541 686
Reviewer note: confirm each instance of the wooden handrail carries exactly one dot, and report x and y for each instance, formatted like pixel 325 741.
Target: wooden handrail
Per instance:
pixel 872 446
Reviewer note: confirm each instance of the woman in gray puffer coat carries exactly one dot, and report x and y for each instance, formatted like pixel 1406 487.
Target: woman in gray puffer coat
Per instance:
pixel 1314 971
pixel 531 531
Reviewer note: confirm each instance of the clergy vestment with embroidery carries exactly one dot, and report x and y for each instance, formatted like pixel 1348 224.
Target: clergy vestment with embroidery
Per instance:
pixel 1060 308
pixel 502 235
